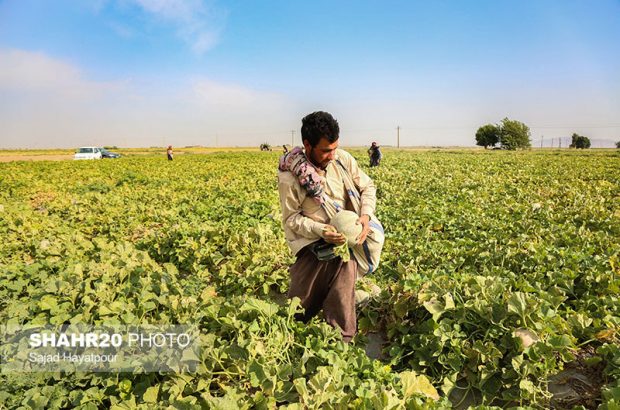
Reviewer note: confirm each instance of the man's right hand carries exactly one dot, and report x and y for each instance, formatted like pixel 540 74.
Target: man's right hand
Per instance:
pixel 332 236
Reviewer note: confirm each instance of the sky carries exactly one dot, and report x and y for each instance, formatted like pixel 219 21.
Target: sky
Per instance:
pixel 141 73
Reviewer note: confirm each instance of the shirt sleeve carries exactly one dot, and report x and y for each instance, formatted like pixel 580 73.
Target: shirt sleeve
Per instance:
pixel 292 216
pixel 368 191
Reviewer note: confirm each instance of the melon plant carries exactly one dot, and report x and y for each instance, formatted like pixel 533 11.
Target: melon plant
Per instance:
pixel 500 269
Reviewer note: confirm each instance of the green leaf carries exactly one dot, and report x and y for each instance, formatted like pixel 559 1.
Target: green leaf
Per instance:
pixel 419 385
pixel 256 373
pixel 437 307
pixel 48 302
pixel 517 303
pixel 151 394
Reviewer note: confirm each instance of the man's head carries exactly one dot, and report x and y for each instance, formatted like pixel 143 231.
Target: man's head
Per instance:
pixel 320 133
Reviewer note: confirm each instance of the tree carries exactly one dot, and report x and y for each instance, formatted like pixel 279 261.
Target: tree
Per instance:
pixel 514 134
pixel 579 141
pixel 487 135
pixel 618 144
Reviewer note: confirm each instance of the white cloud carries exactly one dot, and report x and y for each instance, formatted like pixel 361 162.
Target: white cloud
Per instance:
pixel 95 5
pixel 48 102
pixel 173 9
pixel 122 30
pixel 196 22
pixel 200 41
pixel 240 115
pixel 214 94
pixel 26 71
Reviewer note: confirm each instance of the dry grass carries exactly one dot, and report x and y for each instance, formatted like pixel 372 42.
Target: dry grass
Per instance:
pixel 8 155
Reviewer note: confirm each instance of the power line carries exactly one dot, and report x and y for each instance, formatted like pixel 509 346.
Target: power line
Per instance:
pixel 455 127
pixel 574 126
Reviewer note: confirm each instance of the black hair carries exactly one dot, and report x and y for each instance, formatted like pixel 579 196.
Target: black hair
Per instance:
pixel 317 125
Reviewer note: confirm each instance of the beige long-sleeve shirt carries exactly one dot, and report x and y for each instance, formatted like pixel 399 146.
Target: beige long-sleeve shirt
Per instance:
pixel 303 219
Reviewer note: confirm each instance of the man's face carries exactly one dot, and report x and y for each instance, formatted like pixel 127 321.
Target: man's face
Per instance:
pixel 322 153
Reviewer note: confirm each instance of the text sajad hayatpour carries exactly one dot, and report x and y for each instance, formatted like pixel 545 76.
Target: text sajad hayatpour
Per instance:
pixel 73 358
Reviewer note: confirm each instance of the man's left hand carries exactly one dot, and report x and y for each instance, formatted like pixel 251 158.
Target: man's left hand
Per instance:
pixel 365 221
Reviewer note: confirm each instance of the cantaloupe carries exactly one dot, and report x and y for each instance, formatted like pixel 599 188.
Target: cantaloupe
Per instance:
pixel 344 222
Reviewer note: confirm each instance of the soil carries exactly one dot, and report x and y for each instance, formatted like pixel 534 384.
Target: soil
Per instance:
pixel 10 158
pixel 376 343
pixel 580 383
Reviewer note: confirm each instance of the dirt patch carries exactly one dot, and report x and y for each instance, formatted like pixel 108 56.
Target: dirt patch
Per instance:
pixel 11 158
pixel 580 383
pixel 375 345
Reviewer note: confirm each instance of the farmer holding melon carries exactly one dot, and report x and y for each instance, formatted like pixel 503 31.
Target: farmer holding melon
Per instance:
pixel 328 206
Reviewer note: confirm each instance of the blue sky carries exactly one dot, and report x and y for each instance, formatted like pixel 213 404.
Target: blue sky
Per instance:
pixel 238 73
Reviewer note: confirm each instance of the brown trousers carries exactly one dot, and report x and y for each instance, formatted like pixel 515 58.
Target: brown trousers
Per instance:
pixel 327 285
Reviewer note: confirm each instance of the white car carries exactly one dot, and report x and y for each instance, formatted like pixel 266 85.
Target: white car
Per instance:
pixel 88 153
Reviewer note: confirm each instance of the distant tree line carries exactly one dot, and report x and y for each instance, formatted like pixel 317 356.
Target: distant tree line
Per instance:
pixel 579 141
pixel 511 134
pixel 508 134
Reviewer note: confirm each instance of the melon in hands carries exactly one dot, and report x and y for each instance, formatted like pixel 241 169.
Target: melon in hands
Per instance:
pixel 345 223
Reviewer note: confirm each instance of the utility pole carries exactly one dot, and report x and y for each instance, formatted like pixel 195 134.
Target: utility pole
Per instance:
pixel 541 140
pixel 551 142
pixel 292 138
pixel 560 142
pixel 398 136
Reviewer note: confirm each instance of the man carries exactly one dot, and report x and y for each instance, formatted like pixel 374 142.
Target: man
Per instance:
pixel 306 184
pixel 375 155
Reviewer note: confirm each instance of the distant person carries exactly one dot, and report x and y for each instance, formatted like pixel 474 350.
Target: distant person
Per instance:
pixel 169 152
pixel 375 155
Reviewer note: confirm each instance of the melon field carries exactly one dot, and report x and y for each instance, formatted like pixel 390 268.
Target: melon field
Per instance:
pixel 500 281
